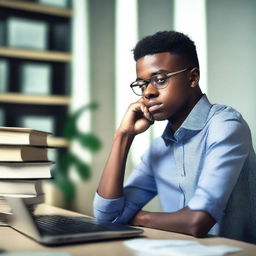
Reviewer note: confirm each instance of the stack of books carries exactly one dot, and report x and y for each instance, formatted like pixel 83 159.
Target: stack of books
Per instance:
pixel 24 164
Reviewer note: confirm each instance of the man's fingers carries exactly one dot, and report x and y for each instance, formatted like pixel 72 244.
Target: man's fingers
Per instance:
pixel 145 111
pixel 147 114
pixel 139 106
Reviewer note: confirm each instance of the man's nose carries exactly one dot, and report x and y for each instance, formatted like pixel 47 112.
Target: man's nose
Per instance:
pixel 150 92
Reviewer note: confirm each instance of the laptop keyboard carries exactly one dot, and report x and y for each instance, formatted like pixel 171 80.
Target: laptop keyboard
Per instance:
pixel 62 225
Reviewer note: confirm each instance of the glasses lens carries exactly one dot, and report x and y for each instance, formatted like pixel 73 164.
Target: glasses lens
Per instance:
pixel 159 80
pixel 138 87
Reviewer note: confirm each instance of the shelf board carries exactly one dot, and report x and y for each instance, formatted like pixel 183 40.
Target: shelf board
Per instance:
pixel 57 142
pixel 36 8
pixel 16 98
pixel 35 55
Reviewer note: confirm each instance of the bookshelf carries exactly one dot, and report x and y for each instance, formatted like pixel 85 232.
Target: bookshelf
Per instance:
pixel 36 8
pixel 15 98
pixel 44 64
pixel 35 55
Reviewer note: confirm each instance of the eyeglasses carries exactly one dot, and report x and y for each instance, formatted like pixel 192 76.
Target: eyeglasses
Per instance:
pixel 159 81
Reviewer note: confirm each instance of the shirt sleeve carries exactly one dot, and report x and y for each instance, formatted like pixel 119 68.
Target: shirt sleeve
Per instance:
pixel 140 188
pixel 227 147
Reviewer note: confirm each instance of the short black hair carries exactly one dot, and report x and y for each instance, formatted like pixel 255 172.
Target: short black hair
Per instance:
pixel 167 41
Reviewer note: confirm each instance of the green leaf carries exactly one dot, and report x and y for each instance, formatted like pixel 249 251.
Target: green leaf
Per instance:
pixel 89 141
pixel 67 159
pixel 91 106
pixel 65 162
pixel 83 169
pixel 69 126
pixel 67 187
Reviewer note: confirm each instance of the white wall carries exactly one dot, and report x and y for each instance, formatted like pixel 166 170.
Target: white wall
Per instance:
pixel 228 41
pixel 231 34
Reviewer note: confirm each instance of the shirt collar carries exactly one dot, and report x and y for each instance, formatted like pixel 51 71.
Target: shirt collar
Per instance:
pixel 195 121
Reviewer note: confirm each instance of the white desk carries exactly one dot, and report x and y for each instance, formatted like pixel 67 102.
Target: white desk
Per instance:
pixel 13 241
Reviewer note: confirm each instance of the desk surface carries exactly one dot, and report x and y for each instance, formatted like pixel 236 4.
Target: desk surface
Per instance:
pixel 13 241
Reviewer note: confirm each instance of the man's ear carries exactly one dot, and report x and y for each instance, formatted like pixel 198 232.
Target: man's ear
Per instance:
pixel 194 77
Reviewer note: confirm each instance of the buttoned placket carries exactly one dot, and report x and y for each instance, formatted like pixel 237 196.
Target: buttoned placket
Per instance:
pixel 178 148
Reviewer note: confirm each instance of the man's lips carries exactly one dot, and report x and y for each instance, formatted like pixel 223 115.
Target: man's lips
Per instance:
pixel 153 106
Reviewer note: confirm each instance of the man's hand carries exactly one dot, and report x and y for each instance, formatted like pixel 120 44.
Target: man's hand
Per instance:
pixel 137 119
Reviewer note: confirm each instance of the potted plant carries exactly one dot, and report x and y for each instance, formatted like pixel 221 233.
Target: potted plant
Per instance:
pixel 68 159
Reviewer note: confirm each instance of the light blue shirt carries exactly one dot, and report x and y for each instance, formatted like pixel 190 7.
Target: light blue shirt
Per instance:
pixel 208 164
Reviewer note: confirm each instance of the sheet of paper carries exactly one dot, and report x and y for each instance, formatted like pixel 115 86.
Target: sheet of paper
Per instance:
pixel 151 247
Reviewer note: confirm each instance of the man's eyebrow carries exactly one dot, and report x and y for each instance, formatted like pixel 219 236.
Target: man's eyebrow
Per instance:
pixel 153 74
pixel 160 71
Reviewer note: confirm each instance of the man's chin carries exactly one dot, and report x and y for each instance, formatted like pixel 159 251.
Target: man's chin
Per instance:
pixel 159 117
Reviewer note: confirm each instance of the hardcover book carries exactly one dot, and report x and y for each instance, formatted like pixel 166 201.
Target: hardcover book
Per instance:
pixel 26 170
pixel 5 208
pixel 22 154
pixel 22 136
pixel 21 188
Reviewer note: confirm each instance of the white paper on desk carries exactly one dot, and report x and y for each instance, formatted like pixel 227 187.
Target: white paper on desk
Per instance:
pixel 150 247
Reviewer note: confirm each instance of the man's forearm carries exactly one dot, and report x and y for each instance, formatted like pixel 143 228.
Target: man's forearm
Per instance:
pixel 111 183
pixel 186 221
pixel 136 120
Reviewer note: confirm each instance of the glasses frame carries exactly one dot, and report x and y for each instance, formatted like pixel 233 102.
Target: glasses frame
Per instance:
pixel 148 81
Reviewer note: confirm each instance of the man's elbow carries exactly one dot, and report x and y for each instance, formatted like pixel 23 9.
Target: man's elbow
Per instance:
pixel 201 225
pixel 114 217
pixel 103 217
pixel 198 231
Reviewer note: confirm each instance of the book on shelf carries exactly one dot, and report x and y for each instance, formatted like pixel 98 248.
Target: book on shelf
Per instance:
pixel 22 154
pixel 35 122
pixel 22 136
pixel 59 38
pixel 2 116
pixel 3 75
pixel 26 33
pixel 55 3
pixel 2 33
pixel 36 78
pixel 21 188
pixel 26 170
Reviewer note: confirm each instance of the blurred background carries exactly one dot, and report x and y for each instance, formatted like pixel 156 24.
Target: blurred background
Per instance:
pixel 68 54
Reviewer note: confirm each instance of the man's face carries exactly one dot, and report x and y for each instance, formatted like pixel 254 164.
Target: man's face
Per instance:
pixel 174 98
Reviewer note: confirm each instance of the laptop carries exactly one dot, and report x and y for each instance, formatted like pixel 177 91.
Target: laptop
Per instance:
pixel 41 224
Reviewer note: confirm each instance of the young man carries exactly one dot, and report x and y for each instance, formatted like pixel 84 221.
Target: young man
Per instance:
pixel 202 167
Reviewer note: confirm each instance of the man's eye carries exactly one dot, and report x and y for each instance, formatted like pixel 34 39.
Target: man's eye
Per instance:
pixel 160 79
